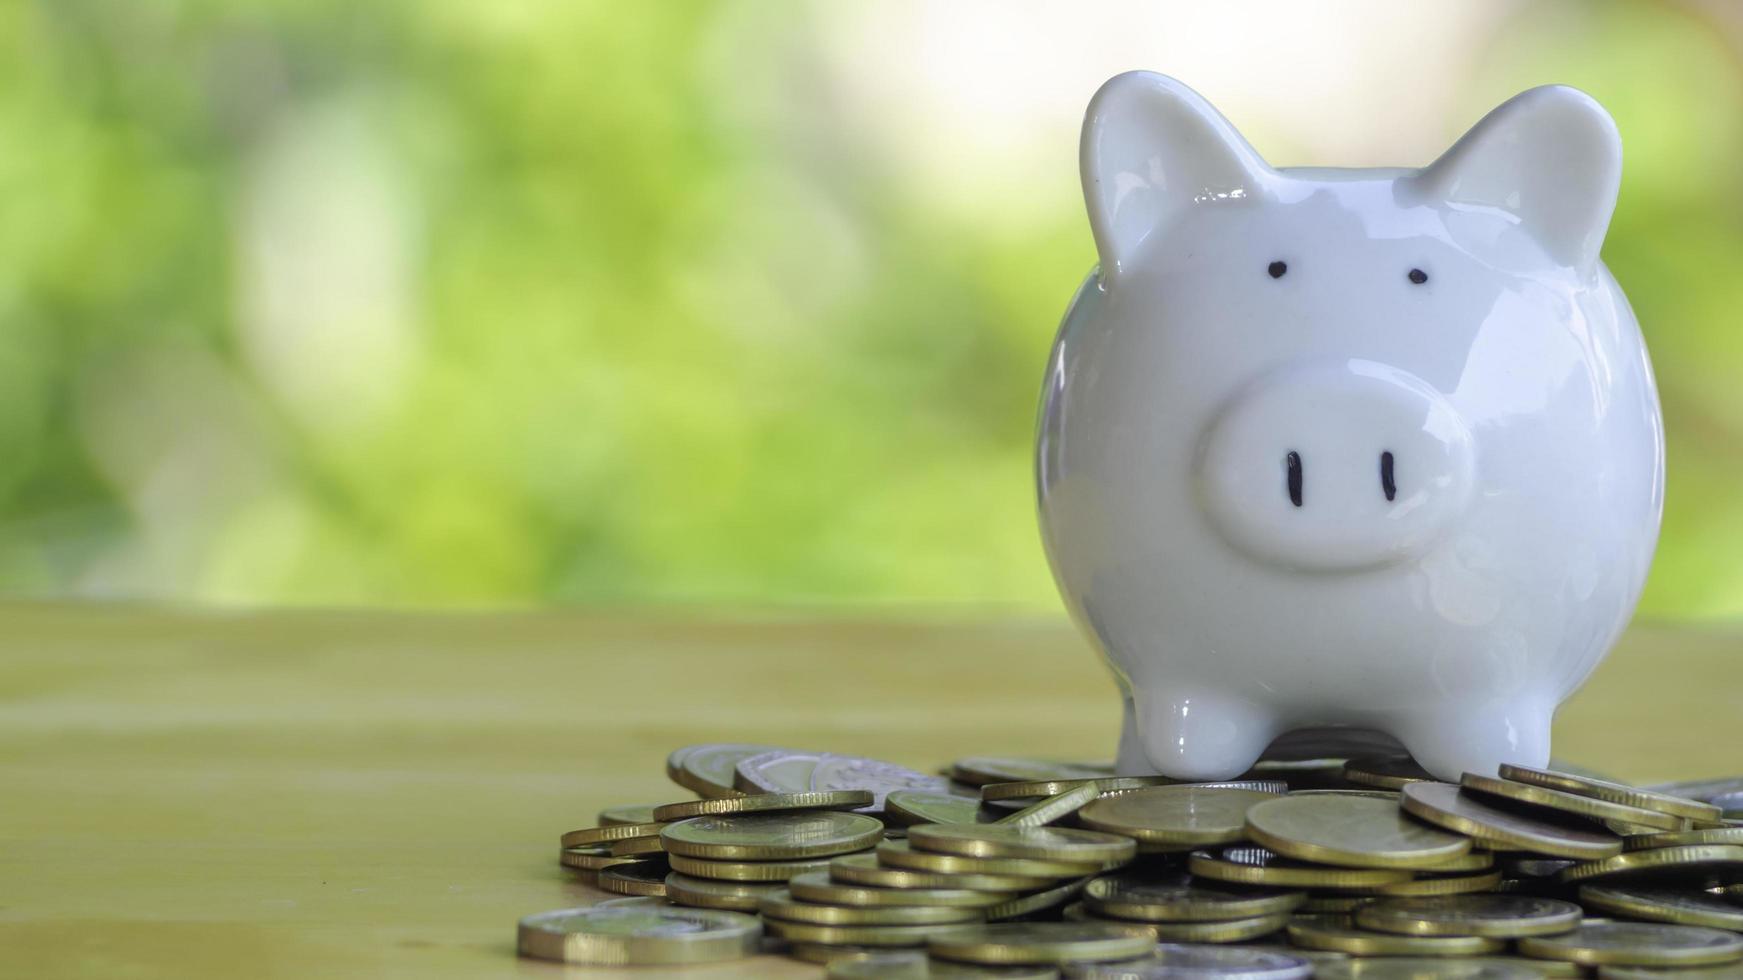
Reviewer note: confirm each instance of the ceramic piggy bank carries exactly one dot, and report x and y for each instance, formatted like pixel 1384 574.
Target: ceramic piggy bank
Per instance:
pixel 1348 450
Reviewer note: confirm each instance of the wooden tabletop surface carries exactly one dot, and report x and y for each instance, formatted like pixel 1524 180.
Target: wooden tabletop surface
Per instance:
pixel 362 795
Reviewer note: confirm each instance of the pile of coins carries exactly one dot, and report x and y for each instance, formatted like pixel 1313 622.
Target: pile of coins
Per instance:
pixel 1023 868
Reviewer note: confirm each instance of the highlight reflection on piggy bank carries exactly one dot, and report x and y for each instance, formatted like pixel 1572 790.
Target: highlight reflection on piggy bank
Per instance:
pixel 1359 449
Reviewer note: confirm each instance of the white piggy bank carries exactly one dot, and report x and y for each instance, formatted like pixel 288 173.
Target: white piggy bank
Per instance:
pixel 1354 449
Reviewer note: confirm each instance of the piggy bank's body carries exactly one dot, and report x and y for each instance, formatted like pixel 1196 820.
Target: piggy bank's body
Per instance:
pixel 1375 449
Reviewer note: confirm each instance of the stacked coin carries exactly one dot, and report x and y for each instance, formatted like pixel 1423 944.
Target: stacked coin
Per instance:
pixel 1017 867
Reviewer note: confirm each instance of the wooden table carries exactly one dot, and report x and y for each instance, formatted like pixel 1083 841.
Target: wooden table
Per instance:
pixel 362 795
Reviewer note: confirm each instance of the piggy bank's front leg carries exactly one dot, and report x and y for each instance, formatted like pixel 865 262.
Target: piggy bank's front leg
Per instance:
pixel 1197 736
pixel 1459 738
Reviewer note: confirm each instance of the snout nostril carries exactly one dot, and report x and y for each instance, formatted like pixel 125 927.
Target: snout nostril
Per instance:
pixel 1292 463
pixel 1386 482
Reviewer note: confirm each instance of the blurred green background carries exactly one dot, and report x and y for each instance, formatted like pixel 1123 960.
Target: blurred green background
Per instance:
pixel 736 304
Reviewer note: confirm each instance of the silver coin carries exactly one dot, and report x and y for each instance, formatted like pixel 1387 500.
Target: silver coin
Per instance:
pixel 1534 867
pixel 1645 943
pixel 1189 961
pixel 632 935
pixel 1701 789
pixel 707 770
pixel 1426 968
pixel 979 770
pixel 784 771
pixel 633 902
pixel 1727 971
pixel 913 964
pixel 1730 804
pixel 1198 962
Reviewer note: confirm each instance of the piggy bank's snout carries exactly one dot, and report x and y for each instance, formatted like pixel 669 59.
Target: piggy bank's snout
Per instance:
pixel 1336 466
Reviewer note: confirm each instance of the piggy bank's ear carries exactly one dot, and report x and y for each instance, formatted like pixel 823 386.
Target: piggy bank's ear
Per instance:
pixel 1551 157
pixel 1151 149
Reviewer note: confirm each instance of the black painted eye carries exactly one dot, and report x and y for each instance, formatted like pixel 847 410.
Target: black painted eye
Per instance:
pixel 1418 277
pixel 1277 269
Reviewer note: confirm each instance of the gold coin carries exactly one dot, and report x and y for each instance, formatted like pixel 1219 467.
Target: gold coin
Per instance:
pixel 709 770
pixel 1637 944
pixel 1249 864
pixel 1646 842
pixel 819 887
pixel 1276 787
pixel 1053 787
pixel 1007 841
pixel 637 846
pixel 1003 943
pixel 848 799
pixel 1052 808
pixel 864 869
pixel 627 813
pixel 1175 896
pixel 1496 916
pixel 1334 904
pixel 980 769
pixel 1613 792
pixel 810 932
pixel 1181 931
pixel 825 955
pixel 1175 816
pixel 1443 885
pixel 1428 968
pixel 631 902
pixel 638 935
pixel 772 836
pixel 635 878
pixel 1228 931
pixel 739 896
pixel 911 806
pixel 1351 832
pixel 1052 898
pixel 1387 772
pixel 780 904
pixel 745 870
pixel 1581 806
pixel 1205 931
pixel 1544 968
pixel 1372 794
pixel 1333 932
pixel 1627 829
pixel 1684 908
pixel 593 858
pixel 610 833
pixel 1696 862
pixel 899 854
pixel 1476 860
pixel 1445 806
